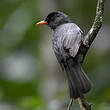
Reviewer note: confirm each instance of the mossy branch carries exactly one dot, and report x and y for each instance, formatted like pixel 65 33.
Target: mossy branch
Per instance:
pixel 84 105
pixel 92 33
pixel 88 39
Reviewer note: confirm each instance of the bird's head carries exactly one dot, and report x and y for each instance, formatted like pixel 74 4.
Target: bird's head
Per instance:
pixel 55 19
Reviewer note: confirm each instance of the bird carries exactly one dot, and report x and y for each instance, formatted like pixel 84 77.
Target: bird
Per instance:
pixel 66 42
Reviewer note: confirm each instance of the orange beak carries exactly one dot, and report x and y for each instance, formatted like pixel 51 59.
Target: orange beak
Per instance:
pixel 42 22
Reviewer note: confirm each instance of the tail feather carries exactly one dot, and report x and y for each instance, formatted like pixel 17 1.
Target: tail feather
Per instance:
pixel 77 79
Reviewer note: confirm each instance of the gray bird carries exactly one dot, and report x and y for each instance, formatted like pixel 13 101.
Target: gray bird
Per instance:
pixel 67 39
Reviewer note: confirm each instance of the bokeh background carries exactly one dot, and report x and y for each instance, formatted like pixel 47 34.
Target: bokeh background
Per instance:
pixel 30 76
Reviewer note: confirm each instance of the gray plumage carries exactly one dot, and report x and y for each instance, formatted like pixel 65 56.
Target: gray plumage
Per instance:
pixel 67 37
pixel 66 41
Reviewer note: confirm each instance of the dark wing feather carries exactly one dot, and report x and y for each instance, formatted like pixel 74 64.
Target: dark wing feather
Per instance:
pixel 66 41
pixel 72 41
pixel 56 49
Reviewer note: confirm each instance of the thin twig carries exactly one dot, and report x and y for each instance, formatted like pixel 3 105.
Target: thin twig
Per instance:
pixel 70 104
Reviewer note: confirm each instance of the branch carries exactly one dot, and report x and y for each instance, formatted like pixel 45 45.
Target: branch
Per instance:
pixel 84 105
pixel 88 39
pixel 70 104
pixel 91 35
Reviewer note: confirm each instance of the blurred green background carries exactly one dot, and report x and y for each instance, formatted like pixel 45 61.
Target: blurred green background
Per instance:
pixel 30 76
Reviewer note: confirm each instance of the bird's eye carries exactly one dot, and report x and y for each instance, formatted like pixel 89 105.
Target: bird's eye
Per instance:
pixel 52 18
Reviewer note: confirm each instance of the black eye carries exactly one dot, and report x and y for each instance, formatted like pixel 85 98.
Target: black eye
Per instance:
pixel 48 19
pixel 52 18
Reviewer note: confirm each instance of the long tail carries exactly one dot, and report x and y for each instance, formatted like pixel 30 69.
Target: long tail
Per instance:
pixel 77 79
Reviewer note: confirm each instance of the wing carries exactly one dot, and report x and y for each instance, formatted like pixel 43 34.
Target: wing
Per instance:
pixel 67 37
pixel 56 49
pixel 72 41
